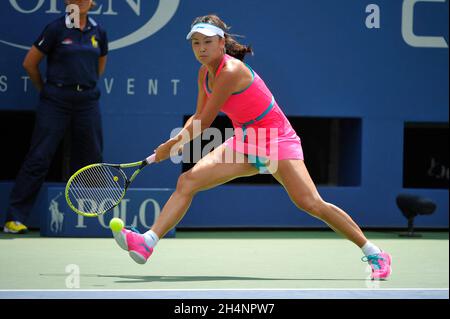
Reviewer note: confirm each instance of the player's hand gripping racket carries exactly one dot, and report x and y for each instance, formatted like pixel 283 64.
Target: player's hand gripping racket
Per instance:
pixel 95 189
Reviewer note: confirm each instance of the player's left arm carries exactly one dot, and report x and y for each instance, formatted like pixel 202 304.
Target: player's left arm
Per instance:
pixel 224 86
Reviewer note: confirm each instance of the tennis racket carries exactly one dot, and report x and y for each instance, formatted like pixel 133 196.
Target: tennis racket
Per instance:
pixel 95 189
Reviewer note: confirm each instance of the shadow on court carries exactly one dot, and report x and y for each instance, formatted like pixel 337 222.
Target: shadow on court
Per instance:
pixel 264 234
pixel 210 278
pixel 143 279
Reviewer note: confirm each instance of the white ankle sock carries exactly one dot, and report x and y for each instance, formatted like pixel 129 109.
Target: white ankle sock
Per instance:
pixel 370 249
pixel 151 238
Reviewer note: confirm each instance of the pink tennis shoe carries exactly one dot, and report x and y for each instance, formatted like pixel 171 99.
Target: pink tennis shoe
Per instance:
pixel 380 264
pixel 135 244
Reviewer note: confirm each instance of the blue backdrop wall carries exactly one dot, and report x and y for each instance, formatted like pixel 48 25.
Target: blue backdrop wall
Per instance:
pixel 384 62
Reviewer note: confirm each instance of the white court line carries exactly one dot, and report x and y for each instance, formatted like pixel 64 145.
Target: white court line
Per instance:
pixel 244 293
pixel 238 289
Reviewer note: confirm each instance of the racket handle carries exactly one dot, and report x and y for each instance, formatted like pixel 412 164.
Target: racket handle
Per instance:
pixel 151 159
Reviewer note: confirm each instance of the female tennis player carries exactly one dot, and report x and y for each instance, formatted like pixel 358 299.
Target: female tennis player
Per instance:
pixel 226 84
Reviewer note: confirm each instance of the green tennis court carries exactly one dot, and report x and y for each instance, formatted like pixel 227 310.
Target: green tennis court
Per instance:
pixel 232 264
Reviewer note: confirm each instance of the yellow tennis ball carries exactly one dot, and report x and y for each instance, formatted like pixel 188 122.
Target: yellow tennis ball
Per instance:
pixel 115 178
pixel 116 224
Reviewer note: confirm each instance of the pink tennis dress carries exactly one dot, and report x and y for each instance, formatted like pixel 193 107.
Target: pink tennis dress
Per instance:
pixel 262 131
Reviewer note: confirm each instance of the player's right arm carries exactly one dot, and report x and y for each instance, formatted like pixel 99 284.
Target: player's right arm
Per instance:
pixel 31 65
pixel 201 96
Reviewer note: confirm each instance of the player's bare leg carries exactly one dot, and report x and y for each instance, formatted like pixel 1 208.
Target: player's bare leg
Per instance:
pixel 210 171
pixel 294 176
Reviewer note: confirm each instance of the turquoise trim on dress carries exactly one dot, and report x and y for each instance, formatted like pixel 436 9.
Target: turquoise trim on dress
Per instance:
pixel 253 80
pixel 235 93
pixel 259 161
pixel 268 109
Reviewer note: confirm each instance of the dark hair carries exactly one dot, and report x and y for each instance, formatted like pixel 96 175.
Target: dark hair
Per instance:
pixel 233 48
pixel 94 4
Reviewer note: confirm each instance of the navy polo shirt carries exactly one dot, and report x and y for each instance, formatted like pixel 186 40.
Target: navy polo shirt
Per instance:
pixel 72 54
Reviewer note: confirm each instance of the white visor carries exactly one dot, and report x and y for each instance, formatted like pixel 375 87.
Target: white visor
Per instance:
pixel 206 29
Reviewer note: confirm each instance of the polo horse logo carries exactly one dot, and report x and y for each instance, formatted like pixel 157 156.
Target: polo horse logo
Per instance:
pixel 57 217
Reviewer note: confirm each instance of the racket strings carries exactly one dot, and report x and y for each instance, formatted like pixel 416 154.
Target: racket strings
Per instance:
pixel 97 189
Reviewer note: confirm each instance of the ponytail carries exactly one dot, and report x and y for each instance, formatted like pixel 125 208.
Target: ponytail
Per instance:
pixel 235 49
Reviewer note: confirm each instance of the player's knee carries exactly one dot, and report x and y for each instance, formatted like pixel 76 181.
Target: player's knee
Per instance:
pixel 313 205
pixel 186 184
